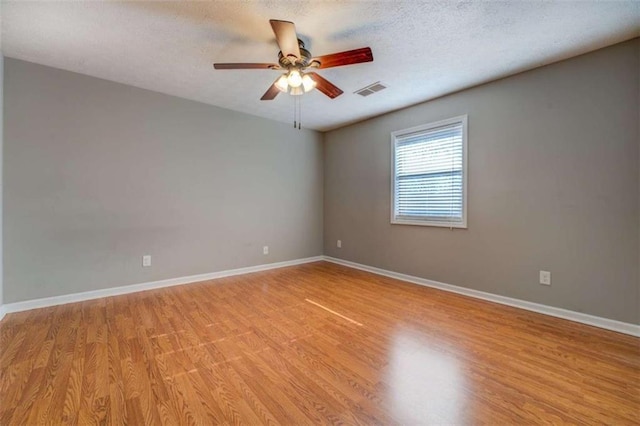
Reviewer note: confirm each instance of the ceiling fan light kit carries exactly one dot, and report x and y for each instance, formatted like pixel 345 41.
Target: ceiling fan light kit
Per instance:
pixel 295 83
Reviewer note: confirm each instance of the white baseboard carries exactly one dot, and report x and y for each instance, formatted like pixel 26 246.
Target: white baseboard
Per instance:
pixel 134 288
pixel 609 324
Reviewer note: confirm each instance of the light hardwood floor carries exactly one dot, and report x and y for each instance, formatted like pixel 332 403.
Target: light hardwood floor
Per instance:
pixel 260 348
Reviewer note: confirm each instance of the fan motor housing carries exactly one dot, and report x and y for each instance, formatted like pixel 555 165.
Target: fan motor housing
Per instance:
pixel 302 62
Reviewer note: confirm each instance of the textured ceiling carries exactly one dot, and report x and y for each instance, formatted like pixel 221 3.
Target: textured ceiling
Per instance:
pixel 422 49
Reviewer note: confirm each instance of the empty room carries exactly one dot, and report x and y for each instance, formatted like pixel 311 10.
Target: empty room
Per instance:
pixel 320 212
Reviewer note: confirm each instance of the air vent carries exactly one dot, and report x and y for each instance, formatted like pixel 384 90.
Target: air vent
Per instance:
pixel 371 89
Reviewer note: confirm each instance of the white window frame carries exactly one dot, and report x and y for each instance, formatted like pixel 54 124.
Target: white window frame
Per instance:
pixel 426 222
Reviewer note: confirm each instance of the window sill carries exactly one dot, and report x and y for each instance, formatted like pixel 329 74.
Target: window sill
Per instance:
pixel 459 225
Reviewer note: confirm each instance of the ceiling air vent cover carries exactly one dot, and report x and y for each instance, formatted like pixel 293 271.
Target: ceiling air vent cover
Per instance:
pixel 371 89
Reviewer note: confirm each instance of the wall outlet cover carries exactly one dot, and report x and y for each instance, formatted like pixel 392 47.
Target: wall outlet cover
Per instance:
pixel 545 277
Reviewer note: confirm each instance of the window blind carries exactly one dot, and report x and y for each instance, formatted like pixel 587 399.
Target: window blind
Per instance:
pixel 429 175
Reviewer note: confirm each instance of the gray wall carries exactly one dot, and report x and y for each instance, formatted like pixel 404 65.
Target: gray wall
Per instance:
pixel 553 185
pixel 98 174
pixel 1 174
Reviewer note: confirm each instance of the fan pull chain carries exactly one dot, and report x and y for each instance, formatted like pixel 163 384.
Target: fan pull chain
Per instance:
pixel 297 112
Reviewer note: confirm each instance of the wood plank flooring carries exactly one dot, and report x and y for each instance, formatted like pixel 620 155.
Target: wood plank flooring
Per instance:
pixel 254 349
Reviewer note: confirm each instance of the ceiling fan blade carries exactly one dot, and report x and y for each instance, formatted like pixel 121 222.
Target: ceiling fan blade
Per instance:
pixel 271 92
pixel 325 86
pixel 286 37
pixel 349 57
pixel 246 66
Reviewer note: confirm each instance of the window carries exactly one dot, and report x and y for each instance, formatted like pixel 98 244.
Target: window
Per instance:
pixel 429 174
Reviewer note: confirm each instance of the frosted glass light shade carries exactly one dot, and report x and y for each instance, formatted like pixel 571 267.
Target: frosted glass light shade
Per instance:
pixel 296 91
pixel 295 79
pixel 282 84
pixel 308 83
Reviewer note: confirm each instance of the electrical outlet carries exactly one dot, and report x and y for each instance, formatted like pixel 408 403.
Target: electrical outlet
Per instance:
pixel 146 260
pixel 265 250
pixel 545 277
pixel 339 244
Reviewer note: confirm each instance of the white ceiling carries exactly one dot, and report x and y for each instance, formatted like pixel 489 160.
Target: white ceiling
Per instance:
pixel 422 49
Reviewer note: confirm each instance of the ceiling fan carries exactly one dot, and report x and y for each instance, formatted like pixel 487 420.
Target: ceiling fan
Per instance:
pixel 295 60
